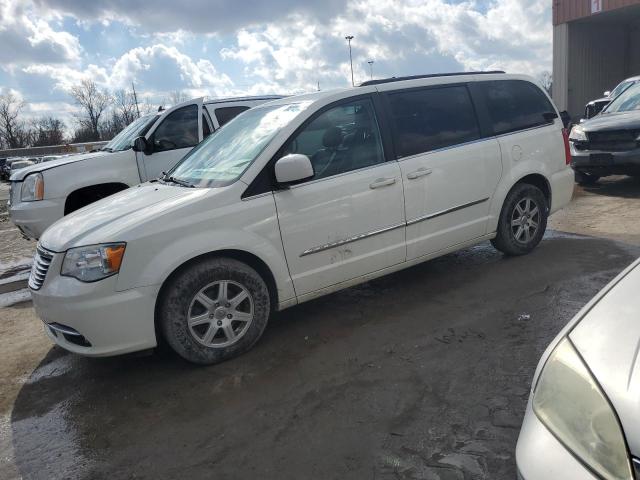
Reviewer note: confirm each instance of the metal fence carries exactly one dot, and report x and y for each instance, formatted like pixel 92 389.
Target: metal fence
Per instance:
pixel 51 150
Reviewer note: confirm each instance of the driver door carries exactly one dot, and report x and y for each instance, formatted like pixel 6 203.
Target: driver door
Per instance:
pixel 172 137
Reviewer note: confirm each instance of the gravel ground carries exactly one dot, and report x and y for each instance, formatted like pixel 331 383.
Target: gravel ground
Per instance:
pixel 422 374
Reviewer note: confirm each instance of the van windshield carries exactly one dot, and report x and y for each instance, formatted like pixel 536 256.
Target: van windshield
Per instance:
pixel 123 140
pixel 225 155
pixel 628 101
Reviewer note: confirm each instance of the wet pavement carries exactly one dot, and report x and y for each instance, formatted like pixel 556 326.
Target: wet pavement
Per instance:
pixel 422 374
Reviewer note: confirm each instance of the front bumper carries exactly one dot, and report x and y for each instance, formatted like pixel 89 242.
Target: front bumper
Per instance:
pixel 109 322
pixel 605 163
pixel 33 218
pixel 540 456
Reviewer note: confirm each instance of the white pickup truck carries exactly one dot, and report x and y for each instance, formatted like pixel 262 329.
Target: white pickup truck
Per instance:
pixel 44 193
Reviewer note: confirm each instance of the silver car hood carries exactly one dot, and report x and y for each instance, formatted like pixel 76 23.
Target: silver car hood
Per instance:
pixel 608 338
pixel 41 167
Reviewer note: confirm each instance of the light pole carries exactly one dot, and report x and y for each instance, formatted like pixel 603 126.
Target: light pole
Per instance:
pixel 371 62
pixel 348 38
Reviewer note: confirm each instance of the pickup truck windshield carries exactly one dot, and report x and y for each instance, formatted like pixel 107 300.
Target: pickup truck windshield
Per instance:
pixel 224 156
pixel 628 100
pixel 123 140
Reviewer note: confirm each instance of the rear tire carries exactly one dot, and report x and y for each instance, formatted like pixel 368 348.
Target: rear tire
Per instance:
pixel 523 220
pixel 586 178
pixel 214 310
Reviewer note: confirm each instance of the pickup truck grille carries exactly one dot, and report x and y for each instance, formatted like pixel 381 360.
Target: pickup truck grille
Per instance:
pixel 614 140
pixel 41 264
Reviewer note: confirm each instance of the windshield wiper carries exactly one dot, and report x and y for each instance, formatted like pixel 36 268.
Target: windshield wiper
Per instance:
pixel 166 178
pixel 106 149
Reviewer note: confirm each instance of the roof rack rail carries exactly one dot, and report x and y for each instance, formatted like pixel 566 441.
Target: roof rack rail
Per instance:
pixel 433 75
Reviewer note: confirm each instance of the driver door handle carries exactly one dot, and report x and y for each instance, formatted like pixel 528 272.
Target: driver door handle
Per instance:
pixel 382 182
pixel 421 172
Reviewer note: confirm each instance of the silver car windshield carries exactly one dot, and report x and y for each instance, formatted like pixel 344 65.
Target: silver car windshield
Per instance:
pixel 224 156
pixel 620 88
pixel 123 140
pixel 627 101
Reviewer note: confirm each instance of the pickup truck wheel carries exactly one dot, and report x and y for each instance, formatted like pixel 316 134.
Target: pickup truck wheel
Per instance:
pixel 214 310
pixel 586 178
pixel 523 220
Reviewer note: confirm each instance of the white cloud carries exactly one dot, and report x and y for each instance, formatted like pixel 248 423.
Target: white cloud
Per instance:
pixel 25 37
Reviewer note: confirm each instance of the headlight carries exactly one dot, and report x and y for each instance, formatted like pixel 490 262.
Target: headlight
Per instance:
pixel 578 134
pixel 32 188
pixel 573 407
pixel 89 264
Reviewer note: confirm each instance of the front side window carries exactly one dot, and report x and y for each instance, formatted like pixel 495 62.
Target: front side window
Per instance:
pixel 226 114
pixel 123 140
pixel 431 119
pixel 341 139
pixel 224 156
pixel 178 130
pixel 515 105
pixel 628 101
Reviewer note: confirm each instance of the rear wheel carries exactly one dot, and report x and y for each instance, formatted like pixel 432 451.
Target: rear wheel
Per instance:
pixel 523 220
pixel 586 178
pixel 214 310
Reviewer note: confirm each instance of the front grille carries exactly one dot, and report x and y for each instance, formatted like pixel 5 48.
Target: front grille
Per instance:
pixel 614 140
pixel 40 267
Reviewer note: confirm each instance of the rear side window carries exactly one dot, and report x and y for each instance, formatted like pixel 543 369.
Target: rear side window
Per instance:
pixel 178 130
pixel 226 114
pixel 515 105
pixel 431 119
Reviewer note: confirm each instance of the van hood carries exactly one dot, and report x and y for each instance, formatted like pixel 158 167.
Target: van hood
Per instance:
pixel 41 167
pixel 113 218
pixel 608 338
pixel 613 121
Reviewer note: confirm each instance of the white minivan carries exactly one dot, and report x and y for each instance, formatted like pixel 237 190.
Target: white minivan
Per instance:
pixel 298 198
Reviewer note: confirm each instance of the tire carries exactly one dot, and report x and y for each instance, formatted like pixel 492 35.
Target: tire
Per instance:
pixel 510 240
pixel 586 178
pixel 196 293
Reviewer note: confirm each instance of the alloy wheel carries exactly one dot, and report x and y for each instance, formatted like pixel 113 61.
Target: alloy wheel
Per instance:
pixel 220 314
pixel 525 220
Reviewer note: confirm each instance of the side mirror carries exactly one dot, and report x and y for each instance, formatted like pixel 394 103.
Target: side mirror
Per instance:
pixel 566 118
pixel 607 93
pixel 140 144
pixel 293 168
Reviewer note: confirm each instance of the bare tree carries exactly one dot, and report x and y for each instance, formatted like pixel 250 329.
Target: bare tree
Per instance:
pixel 177 96
pixel 12 129
pixel 125 106
pixel 93 103
pixel 47 131
pixel 546 79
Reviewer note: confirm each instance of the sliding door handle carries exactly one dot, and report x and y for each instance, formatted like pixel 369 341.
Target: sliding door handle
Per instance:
pixel 382 182
pixel 421 172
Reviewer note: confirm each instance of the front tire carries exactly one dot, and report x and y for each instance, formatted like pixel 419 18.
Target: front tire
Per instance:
pixel 214 310
pixel 523 220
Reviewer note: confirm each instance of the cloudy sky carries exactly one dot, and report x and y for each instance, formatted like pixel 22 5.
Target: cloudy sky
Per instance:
pixel 223 47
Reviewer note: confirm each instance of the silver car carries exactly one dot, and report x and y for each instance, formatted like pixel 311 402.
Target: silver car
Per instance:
pixel 583 417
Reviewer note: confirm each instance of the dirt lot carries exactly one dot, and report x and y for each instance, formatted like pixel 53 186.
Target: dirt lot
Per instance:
pixel 422 374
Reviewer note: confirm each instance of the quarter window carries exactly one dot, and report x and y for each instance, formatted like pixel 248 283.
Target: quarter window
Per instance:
pixel 515 105
pixel 431 119
pixel 340 140
pixel 226 114
pixel 178 130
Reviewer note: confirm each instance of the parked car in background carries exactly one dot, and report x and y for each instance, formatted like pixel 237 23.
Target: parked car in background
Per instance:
pixel 583 417
pixel 46 192
pixel 299 198
pixel 21 163
pixel 594 107
pixel 5 170
pixel 609 144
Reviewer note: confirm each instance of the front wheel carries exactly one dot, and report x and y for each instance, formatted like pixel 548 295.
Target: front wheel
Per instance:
pixel 214 310
pixel 586 178
pixel 523 220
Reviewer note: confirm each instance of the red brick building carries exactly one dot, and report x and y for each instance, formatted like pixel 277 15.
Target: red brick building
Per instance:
pixel 596 44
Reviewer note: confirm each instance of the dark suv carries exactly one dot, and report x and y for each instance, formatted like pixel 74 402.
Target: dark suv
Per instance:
pixel 609 144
